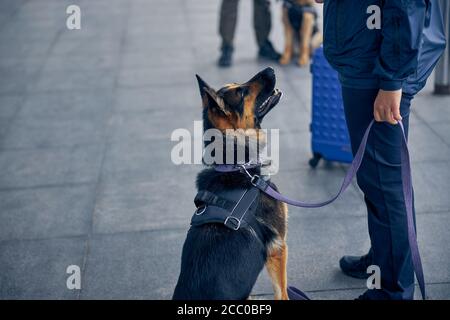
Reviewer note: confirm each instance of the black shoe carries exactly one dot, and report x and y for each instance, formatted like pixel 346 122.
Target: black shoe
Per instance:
pixel 226 57
pixel 374 294
pixel 267 51
pixel 356 267
pixel 364 296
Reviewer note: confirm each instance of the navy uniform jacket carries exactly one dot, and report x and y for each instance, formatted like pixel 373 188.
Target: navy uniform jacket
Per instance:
pixel 400 54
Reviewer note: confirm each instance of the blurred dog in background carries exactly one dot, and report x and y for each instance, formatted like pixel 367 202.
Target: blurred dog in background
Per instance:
pixel 300 26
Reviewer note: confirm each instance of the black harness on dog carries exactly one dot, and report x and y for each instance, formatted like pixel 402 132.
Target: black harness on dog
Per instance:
pixel 295 14
pixel 234 208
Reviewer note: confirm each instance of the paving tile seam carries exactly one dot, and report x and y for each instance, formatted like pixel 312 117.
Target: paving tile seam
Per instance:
pixel 12 94
pixel 87 250
pixel 98 235
pixel 48 186
pixel 43 186
pixel 157 85
pixel 51 147
pixel 123 35
pixel 53 91
pixel 65 237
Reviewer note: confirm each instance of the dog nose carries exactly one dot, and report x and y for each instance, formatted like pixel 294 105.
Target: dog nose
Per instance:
pixel 268 71
pixel 268 75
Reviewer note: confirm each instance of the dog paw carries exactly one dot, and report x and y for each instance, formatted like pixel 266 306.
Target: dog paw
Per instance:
pixel 284 60
pixel 303 60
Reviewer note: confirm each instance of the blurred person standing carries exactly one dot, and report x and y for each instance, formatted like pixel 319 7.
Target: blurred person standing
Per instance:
pixel 262 24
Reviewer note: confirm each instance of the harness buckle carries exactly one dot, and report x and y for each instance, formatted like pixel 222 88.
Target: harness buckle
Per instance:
pixel 200 210
pixel 235 225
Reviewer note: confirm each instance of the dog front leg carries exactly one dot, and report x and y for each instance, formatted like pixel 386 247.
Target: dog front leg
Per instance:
pixel 305 38
pixel 288 38
pixel 276 266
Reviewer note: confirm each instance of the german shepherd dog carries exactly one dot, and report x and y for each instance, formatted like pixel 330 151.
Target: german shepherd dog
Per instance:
pixel 218 263
pixel 299 22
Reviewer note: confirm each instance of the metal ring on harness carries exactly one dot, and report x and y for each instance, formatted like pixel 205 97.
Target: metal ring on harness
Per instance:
pixel 200 210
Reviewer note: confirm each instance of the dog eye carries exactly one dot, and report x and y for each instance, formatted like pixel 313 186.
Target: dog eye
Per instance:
pixel 241 92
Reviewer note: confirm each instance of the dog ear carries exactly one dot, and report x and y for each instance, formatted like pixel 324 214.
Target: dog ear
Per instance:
pixel 210 98
pixel 202 85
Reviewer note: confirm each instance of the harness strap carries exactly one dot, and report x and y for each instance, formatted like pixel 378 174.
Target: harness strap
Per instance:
pixel 236 216
pixel 209 214
pixel 356 163
pixel 212 208
pixel 206 197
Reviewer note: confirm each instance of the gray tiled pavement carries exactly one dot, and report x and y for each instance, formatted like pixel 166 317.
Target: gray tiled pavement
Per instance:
pixel 85 171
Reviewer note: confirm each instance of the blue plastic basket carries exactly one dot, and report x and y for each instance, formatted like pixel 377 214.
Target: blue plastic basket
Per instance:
pixel 329 134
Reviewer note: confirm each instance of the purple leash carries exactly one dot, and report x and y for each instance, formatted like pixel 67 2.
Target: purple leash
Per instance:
pixel 407 193
pixel 356 163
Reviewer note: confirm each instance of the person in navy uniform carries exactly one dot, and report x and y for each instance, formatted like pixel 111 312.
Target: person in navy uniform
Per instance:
pixel 383 54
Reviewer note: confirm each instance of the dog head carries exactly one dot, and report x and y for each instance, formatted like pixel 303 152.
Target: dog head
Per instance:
pixel 239 106
pixel 237 110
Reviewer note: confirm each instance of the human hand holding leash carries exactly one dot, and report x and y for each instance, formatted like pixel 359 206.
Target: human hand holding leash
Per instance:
pixel 387 106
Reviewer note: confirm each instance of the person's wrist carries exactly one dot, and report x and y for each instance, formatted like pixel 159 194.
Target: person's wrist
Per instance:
pixel 391 85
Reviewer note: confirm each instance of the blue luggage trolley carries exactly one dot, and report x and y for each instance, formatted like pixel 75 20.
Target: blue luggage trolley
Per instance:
pixel 329 134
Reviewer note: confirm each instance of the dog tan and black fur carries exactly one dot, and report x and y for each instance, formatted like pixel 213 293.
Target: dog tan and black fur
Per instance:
pixel 217 262
pixel 305 36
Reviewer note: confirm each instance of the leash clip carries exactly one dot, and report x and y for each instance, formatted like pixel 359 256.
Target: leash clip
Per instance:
pixel 254 180
pixel 243 169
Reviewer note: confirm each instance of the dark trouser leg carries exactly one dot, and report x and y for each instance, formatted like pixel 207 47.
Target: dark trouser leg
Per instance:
pixel 228 19
pixel 261 20
pixel 379 177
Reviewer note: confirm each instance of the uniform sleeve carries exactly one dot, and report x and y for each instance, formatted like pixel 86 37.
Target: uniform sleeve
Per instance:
pixel 402 26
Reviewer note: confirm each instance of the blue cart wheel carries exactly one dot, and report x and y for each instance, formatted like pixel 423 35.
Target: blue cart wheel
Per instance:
pixel 314 161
